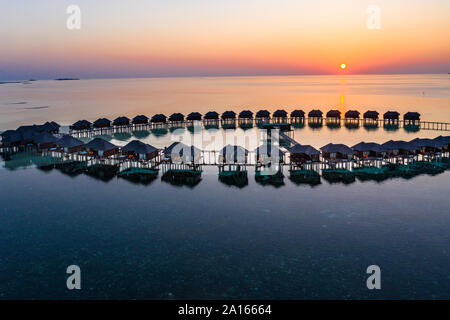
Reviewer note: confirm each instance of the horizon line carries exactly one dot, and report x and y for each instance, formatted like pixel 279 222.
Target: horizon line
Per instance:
pixel 76 78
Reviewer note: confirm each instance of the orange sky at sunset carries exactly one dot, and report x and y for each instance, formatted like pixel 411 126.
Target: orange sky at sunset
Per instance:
pixel 218 38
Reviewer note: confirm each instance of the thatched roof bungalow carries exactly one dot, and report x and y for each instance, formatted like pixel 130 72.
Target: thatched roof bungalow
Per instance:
pixel 102 123
pixel 159 118
pixel 140 119
pixel 233 155
pixel 352 114
pixel 443 141
pixel 11 138
pixel 315 114
pixel 411 120
pixel 262 114
pixel 298 113
pixel 369 150
pixel 27 136
pixel 50 127
pixel 333 115
pixel 121 121
pixel 246 114
pixel 391 115
pixel 211 115
pixel 194 116
pixel 280 116
pixel 81 125
pixel 228 115
pixel 372 115
pixel 176 117
pixel 426 146
pixel 101 148
pixel 178 152
pixel 399 148
pixel 336 152
pixel 70 144
pixel 45 140
pixel 411 116
pixel 140 150
pixel 301 154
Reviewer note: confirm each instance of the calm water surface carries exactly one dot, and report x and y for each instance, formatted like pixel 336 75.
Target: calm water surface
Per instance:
pixel 69 101
pixel 214 240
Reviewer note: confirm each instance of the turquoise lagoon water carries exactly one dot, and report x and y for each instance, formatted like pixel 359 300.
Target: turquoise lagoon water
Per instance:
pixel 213 240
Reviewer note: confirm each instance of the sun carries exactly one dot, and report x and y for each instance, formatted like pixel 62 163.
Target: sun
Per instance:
pixel 343 66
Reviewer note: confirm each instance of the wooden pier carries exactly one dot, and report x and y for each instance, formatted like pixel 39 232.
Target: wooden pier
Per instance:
pixel 269 123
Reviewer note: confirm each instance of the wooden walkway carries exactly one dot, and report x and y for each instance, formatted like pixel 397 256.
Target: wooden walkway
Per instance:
pixel 316 122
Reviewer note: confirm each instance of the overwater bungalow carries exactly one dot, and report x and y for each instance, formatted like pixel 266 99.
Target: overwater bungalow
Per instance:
pixel 304 164
pixel 335 153
pixel 10 139
pixel 159 119
pixel 298 117
pixel 102 123
pixel 44 140
pixel 139 150
pixel 228 119
pixel 315 118
pixel 245 118
pixel 181 164
pixel 232 170
pixel 352 119
pixel 333 115
pixel 371 118
pixel 194 116
pixel 333 118
pixel 81 125
pixel 211 119
pixel 69 144
pixel 27 137
pixel 140 120
pixel 369 153
pixel 352 115
pixel 263 115
pixel 176 119
pixel 211 115
pixel 180 153
pixel 427 147
pixel 279 116
pixel 269 154
pixel 50 127
pixel 444 142
pixel 303 154
pixel 101 148
pixel 193 122
pixel 391 118
pixel 411 119
pixel 121 122
pixel 399 149
pixel 233 155
pixel 315 114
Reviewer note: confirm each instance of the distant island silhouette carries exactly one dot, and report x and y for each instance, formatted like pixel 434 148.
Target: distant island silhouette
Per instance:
pixel 66 79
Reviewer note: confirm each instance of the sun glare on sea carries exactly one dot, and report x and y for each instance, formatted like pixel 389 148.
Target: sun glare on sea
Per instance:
pixel 343 66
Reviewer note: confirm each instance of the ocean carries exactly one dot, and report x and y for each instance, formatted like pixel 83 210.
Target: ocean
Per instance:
pixel 213 240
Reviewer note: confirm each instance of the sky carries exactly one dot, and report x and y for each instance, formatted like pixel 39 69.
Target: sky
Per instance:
pixel 146 38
